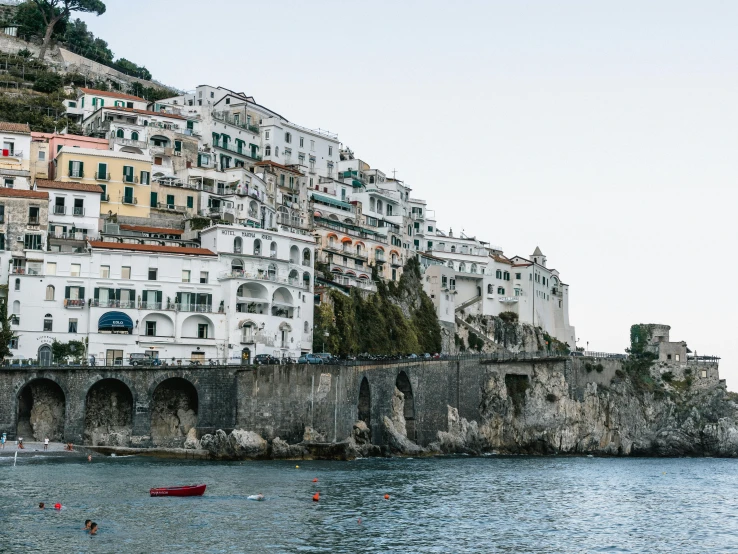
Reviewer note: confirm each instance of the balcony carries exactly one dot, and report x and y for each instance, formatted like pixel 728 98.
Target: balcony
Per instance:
pixel 508 299
pixel 104 198
pixel 113 304
pixel 130 142
pixel 102 176
pixel 77 304
pixel 130 180
pixel 130 200
pixel 60 210
pixel 76 174
pixel 78 211
pixel 156 306
pixel 248 153
pixel 34 220
pixel 171 207
pixel 201 308
pixel 224 117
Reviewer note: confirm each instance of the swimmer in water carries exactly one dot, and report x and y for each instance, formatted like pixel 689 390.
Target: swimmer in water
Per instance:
pixel 93 528
pixel 88 523
pixel 40 505
pixel 89 457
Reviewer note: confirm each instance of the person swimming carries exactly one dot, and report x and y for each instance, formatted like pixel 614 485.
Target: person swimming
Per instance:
pixel 41 505
pixel 88 523
pixel 93 528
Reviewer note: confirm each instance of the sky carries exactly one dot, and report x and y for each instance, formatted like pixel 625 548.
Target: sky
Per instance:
pixel 603 132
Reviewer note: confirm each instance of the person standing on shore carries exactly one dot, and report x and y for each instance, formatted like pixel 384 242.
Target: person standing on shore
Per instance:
pixel 46 443
pixel 2 441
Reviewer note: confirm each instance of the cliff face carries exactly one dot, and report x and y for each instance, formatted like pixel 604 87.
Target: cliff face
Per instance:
pixel 539 416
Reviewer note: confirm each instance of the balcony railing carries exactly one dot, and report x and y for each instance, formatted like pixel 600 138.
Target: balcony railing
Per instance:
pixel 127 179
pixel 130 142
pixel 74 303
pixel 225 118
pixel 508 299
pixel 79 210
pixel 241 151
pixel 202 308
pixel 104 198
pixel 156 306
pixel 76 174
pixel 102 176
pixel 171 207
pixel 33 220
pixel 60 210
pixel 113 303
pixel 130 200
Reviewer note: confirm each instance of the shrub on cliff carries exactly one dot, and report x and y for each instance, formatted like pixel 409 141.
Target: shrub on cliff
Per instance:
pixel 509 317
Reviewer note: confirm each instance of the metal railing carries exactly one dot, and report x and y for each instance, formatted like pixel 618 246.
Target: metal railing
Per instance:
pixel 104 198
pixel 224 118
pixel 172 207
pixel 113 303
pixel 130 200
pixel 33 221
pixel 79 210
pixel 76 174
pixel 60 210
pixel 74 303
pixel 133 179
pixel 201 308
pixel 248 153
pixel 130 142
pixel 102 176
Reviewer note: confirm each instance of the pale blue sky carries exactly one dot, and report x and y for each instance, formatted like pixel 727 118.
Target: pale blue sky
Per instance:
pixel 603 132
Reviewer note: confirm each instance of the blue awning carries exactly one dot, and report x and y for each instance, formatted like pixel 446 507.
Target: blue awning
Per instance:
pixel 114 321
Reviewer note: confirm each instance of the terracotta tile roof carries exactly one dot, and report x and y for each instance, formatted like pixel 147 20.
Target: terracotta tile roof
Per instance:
pixel 15 127
pixel 280 166
pixel 158 230
pixel 111 94
pixel 151 248
pixel 17 193
pixel 501 259
pixel 145 112
pixel 84 187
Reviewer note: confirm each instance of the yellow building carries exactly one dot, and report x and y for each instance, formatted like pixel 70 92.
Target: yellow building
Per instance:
pixel 125 178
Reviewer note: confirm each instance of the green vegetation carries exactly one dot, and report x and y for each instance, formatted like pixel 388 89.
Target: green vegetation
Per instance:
pixel 43 113
pixel 53 12
pixel 555 345
pixel 65 352
pixel 509 317
pixel 6 333
pixel 475 342
pixel 376 324
pixel 599 368
pixel 667 376
pixel 639 362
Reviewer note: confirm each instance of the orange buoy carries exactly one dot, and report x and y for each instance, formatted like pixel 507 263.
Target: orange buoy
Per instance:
pixel 386 496
pixel 57 506
pixel 315 480
pixel 316 496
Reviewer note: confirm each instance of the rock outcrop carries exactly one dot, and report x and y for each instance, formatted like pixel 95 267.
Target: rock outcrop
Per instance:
pixel 395 429
pixel 237 445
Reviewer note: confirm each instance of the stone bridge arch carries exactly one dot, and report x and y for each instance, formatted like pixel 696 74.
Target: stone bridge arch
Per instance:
pixel 40 409
pixel 174 407
pixel 365 402
pixel 108 411
pixel 402 383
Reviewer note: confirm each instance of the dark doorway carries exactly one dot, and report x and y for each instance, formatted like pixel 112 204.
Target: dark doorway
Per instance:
pixel 173 412
pixel 365 402
pixel 245 356
pixel 403 385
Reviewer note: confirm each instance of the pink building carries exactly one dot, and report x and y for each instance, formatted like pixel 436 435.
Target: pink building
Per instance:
pixel 44 147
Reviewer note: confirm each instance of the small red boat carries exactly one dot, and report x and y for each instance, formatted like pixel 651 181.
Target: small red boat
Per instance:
pixel 190 490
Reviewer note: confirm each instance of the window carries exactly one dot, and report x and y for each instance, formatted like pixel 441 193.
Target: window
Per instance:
pixel 498 274
pixel 17 284
pixel 676 357
pixel 125 272
pixel 32 242
pixel 48 322
pixel 267 150
pixel 50 292
pixel 190 202
pixel 104 271
pixel 2 213
pixel 500 290
pixel 312 146
pixel 8 183
pixel 145 177
pixel 266 135
pixel 288 138
pixel 41 155
pixel 154 198
pixel 33 215
pixel 152 274
pixel 128 195
pixel 668 356
pixel 151 328
pixel 14 344
pixel 517 275
pixel 330 150
pixel 72 325
pixel 177 145
pixel 185 275
pixel 203 276
pixel 102 172
pixel 134 135
pixel 76 169
pixel 127 173
pixel 75 270
pixel 202 330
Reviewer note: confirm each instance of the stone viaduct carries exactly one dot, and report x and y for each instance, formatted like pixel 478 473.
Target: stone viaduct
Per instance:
pixel 158 406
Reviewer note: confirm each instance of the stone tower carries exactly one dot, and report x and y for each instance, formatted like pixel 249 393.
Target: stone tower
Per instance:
pixel 538 257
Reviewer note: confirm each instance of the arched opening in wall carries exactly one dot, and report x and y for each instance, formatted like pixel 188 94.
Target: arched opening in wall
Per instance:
pixel 237 266
pixel 365 402
pixel 173 412
pixel 41 410
pixel 108 414
pixel 294 255
pixel 306 257
pixel 44 355
pixel 403 385
pixel 237 245
pixel 479 291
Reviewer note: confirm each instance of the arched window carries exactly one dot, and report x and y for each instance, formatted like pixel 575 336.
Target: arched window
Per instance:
pixel 50 292
pixel 247 333
pixel 16 307
pixel 450 264
pixel 272 271
pixel 453 248
pixel 17 284
pixel 380 207
pixel 134 135
pixel 306 257
pixel 462 267
pixel 500 290
pixel 237 245
pixel 490 289
pixel 119 133
pixel 498 274
pixel 273 250
pixel 331 241
pixel 257 247
pixel 372 204
pixel 268 150
pixel 307 327
pixel 48 323
pixel 473 268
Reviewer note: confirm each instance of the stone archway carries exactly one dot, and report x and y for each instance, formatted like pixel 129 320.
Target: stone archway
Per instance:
pixel 108 414
pixel 403 385
pixel 365 402
pixel 41 411
pixel 173 412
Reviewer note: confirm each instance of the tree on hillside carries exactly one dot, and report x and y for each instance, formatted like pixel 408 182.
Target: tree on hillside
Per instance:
pixel 6 333
pixel 85 43
pixel 54 11
pixel 31 23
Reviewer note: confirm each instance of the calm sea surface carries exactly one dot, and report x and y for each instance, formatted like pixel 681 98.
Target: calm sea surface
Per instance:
pixel 444 505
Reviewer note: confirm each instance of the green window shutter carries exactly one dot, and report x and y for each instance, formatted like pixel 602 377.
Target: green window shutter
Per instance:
pixel 102 102
pixel 83 101
pixel 199 160
pixel 170 199
pixel 102 170
pixel 116 292
pixel 154 199
pixel 59 147
pixel 94 102
pixel 71 166
pixel 81 169
pixel 134 135
pixel 81 293
pixel 178 298
pixel 190 202
pixel 190 125
pixel 104 190
pixel 158 296
pixel 216 136
pixel 66 292
pixel 144 177
pixel 177 145
pixel 119 133
pixel 96 293
pixel 145 295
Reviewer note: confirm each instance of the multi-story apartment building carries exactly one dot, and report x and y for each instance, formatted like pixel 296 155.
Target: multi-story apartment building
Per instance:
pixel 74 214
pixel 248 293
pixel 15 152
pixel 90 100
pixel 124 177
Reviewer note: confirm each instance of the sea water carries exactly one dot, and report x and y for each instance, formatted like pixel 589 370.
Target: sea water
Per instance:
pixel 444 505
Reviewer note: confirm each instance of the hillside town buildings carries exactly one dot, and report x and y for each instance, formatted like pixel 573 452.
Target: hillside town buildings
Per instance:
pixel 206 226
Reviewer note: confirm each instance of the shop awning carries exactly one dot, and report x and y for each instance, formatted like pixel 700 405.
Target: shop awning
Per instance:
pixel 332 202
pixel 114 321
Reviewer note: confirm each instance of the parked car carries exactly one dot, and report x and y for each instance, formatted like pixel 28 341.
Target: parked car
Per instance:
pixel 265 359
pixel 436 356
pixel 327 358
pixel 413 357
pixel 426 356
pixel 310 359
pixel 139 358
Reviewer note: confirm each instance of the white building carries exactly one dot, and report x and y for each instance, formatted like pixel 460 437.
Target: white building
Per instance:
pixel 15 155
pixel 74 213
pixel 251 293
pixel 90 100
